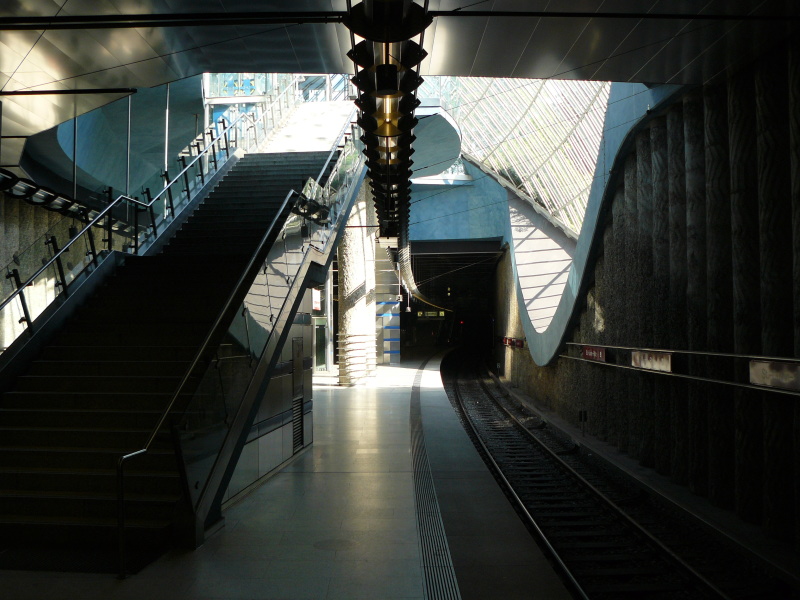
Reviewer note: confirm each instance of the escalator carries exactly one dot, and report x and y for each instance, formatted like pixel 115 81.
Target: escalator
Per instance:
pixel 167 361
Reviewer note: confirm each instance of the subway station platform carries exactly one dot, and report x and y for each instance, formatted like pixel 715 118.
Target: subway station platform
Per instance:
pixel 390 501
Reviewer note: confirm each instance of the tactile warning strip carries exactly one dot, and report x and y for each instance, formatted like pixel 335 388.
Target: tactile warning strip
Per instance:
pixel 437 565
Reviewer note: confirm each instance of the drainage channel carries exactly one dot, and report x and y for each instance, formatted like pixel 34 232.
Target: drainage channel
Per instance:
pixel 437 565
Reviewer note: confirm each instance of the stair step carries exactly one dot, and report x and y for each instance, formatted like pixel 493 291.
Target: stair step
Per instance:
pixel 137 419
pixel 78 532
pixel 110 352
pixel 72 505
pixel 137 480
pixel 136 337
pixel 114 368
pixel 77 458
pixel 86 438
pixel 97 383
pixel 97 390
pixel 61 400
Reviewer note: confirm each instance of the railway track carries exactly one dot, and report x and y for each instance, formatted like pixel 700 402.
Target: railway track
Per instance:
pixel 607 536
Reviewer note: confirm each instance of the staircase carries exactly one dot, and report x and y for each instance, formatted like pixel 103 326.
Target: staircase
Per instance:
pixel 98 388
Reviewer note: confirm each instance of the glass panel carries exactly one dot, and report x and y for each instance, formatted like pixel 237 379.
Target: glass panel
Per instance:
pixel 542 136
pixel 208 417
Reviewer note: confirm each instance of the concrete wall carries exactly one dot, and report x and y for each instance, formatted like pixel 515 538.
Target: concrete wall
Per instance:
pixel 448 212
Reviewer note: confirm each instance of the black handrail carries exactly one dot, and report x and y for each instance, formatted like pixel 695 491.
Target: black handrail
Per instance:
pixel 243 279
pixel 198 357
pixel 50 263
pixel 121 198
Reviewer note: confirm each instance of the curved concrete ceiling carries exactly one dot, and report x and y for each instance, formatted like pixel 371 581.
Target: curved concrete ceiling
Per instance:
pixel 438 143
pixel 615 40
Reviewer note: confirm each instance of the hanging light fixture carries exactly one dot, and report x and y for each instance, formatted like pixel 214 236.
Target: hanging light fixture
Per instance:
pixel 386 78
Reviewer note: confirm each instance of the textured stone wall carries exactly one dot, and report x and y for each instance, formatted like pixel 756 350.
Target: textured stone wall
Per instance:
pixel 698 252
pixel 23 230
pixel 356 259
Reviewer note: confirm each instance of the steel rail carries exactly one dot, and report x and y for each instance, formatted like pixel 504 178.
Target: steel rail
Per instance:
pixel 606 500
pixel 21 23
pixel 638 16
pixel 520 504
pixel 610 504
pixel 200 19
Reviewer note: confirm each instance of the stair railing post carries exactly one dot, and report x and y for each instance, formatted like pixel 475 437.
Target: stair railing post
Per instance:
pixel 135 229
pixel 168 187
pixel 227 143
pixel 199 164
pixel 182 160
pixel 247 333
pixel 152 212
pixel 109 223
pixel 51 241
pixel 26 314
pixel 92 248
pixel 214 152
pixel 149 206
pixel 121 518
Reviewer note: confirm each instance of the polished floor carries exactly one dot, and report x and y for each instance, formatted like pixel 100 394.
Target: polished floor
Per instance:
pixel 343 519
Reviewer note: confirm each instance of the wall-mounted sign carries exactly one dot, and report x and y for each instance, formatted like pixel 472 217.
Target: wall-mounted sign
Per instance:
pixel 593 353
pixel 775 374
pixel 316 299
pixel 652 361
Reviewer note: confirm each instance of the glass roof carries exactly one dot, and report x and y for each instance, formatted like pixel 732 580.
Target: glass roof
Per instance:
pixel 540 135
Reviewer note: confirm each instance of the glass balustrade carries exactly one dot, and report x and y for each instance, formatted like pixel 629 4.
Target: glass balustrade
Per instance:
pixel 260 318
pixel 129 224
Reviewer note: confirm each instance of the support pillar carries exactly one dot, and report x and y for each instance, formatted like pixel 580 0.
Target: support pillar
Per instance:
pixel 696 287
pixel 661 324
pixel 631 290
pixel 775 239
pixel 677 287
pixel 794 142
pixel 603 298
pixel 619 418
pixel 356 258
pixel 719 294
pixel 644 317
pixel 746 307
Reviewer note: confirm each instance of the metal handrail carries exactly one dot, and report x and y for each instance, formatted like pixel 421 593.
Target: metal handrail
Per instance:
pixel 107 209
pixel 165 414
pixel 66 247
pixel 688 376
pixel 787 359
pixel 340 135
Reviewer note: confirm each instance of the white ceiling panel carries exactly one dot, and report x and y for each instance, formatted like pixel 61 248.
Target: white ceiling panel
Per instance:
pixel 620 49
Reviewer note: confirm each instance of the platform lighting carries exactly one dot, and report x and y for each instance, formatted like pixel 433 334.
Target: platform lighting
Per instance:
pixel 385 76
